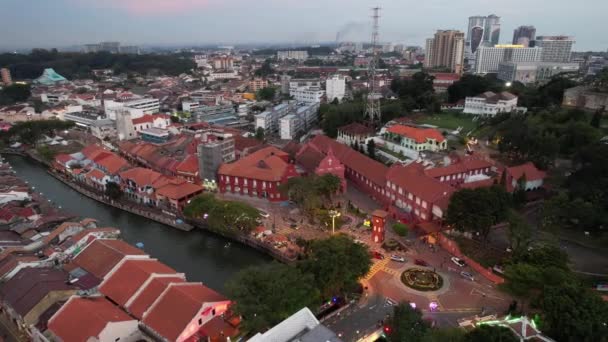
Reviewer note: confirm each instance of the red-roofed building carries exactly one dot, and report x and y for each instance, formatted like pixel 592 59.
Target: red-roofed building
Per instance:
pixel 101 256
pixel 259 174
pixel 443 80
pixel 176 194
pixel 462 170
pixel 190 305
pixel 151 120
pixel 533 176
pixel 111 163
pixel 188 169
pixel 140 184
pixel 128 276
pixel 92 319
pixel 354 133
pixel 149 291
pixel 417 139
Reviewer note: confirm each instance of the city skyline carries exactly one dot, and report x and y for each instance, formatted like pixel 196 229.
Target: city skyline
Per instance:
pixel 65 23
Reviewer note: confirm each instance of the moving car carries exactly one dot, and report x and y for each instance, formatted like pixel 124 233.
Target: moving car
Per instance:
pixel 377 255
pixel 458 261
pixel 467 275
pixel 397 258
pixel 421 262
pixel 264 214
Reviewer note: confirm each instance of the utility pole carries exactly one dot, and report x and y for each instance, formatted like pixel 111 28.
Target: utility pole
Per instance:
pixel 372 109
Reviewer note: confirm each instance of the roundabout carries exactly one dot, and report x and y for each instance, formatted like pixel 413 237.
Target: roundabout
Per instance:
pixel 420 279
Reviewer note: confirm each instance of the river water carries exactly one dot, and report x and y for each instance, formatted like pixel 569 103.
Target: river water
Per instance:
pixel 202 256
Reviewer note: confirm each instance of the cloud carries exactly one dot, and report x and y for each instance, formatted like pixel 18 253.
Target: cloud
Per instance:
pixel 150 7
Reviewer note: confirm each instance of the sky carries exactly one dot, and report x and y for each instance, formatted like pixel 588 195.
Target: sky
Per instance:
pixel 61 23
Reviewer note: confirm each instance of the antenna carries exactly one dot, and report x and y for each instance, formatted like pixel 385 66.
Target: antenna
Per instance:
pixel 372 110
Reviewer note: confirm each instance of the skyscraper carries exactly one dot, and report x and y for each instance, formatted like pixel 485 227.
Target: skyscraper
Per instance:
pixel 446 49
pixel 488 59
pixel 555 48
pixel 482 31
pixel 524 35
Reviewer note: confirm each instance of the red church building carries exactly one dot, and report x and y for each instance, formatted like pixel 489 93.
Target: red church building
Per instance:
pixel 259 174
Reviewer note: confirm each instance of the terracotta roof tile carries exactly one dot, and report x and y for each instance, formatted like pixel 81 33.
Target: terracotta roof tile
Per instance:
pixel 82 318
pixel 100 257
pixel 529 169
pixel 413 180
pixel 181 302
pixel 357 129
pixel 269 164
pixel 178 190
pixel 149 292
pixel 188 165
pixel 420 135
pixel 123 283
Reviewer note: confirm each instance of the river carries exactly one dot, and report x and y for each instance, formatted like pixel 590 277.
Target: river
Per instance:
pixel 202 256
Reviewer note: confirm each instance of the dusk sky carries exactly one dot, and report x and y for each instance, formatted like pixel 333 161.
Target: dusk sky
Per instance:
pixel 58 23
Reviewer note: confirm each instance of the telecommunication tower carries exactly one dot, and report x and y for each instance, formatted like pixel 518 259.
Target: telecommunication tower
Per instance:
pixel 372 109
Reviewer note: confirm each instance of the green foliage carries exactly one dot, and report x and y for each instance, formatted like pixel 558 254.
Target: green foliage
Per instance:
pixel 407 324
pixel 265 70
pixel 14 93
pixel 337 263
pixel 573 313
pixel 113 190
pixel 225 217
pixel 266 295
pixel 470 85
pixel 29 132
pixel 259 133
pixel 336 116
pixel 417 92
pixel 73 64
pixel 46 153
pixel 491 333
pixel 310 192
pixel 445 335
pixel 401 229
pixel 371 148
pixel 267 93
pixel 520 233
pixel 477 210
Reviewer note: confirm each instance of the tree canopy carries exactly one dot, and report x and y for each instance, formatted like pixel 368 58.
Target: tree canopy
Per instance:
pixel 406 324
pixel 29 132
pixel 471 85
pixel 477 210
pixel 417 92
pixel 266 295
pixel 267 93
pixel 336 263
pixel 226 217
pixel 313 193
pixel 491 333
pixel 14 93
pixel 265 70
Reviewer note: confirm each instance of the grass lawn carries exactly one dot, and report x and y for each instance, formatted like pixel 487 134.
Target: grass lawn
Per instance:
pixel 474 250
pixel 448 120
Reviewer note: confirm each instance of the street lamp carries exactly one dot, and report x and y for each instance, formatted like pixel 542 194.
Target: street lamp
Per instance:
pixel 333 214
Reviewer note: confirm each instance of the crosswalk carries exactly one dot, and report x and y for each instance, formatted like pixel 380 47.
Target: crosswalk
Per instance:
pixel 375 268
pixel 391 271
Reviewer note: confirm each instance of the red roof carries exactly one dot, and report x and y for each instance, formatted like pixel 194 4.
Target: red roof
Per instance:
pixel 444 76
pixel 82 318
pixel 529 169
pixel 420 135
pixel 26 212
pixel 464 165
pixel 268 164
pixel 102 255
pixel 95 173
pixel 92 151
pixel 6 215
pixel 146 118
pixel 188 165
pixel 177 190
pixel 63 158
pixel 413 180
pixel 181 302
pixel 131 274
pixel 111 162
pixel 149 292
pixel 143 177
pixel 357 129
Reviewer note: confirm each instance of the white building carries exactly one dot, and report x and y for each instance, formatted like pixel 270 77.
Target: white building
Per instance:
pixel 228 75
pixel 292 54
pixel 295 83
pixel 301 326
pixel 487 59
pixel 555 48
pixel 53 98
pixel 137 108
pixel 490 104
pixel 532 72
pixel 308 114
pixel 307 94
pixel 335 88
pixel 290 125
pixel 269 120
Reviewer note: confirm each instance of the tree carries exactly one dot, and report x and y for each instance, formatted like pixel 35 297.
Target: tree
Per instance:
pixel 327 185
pixel 406 324
pixel 337 263
pixel 266 295
pixel 520 233
pixel 445 335
pixel 490 333
pixel 29 132
pixel 259 133
pixel 519 195
pixel 477 210
pixel 267 93
pixel 14 93
pixel 224 217
pixel 113 190
pixel 471 85
pixel 265 70
pixel 574 313
pixel 596 120
pixel 400 228
pixel 371 148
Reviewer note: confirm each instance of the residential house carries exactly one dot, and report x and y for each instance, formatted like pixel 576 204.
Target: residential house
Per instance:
pixel 176 194
pixel 355 133
pixel 415 138
pixel 490 104
pixel 100 256
pixel 140 184
pixel 533 177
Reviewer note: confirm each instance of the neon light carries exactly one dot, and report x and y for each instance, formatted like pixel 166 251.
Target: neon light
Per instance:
pixel 514 46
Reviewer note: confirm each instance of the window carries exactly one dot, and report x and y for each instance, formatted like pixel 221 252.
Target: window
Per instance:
pixel 410 197
pixel 442 178
pixel 200 321
pixel 245 182
pixel 418 200
pixel 424 204
pixel 255 183
pixel 423 216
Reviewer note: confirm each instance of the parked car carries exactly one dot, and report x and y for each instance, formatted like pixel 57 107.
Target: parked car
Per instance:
pixel 458 261
pixel 467 275
pixel 264 214
pixel 377 255
pixel 397 258
pixel 421 262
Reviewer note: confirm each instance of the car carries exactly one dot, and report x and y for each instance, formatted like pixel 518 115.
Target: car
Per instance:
pixel 421 262
pixel 397 258
pixel 377 255
pixel 458 261
pixel 264 214
pixel 467 275
pixel 390 302
pixel 294 226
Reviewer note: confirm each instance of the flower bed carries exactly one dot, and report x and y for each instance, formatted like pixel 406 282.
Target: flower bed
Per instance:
pixel 422 279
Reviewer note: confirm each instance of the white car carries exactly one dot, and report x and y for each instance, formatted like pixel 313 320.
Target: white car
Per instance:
pixel 467 275
pixel 264 214
pixel 397 258
pixel 458 262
